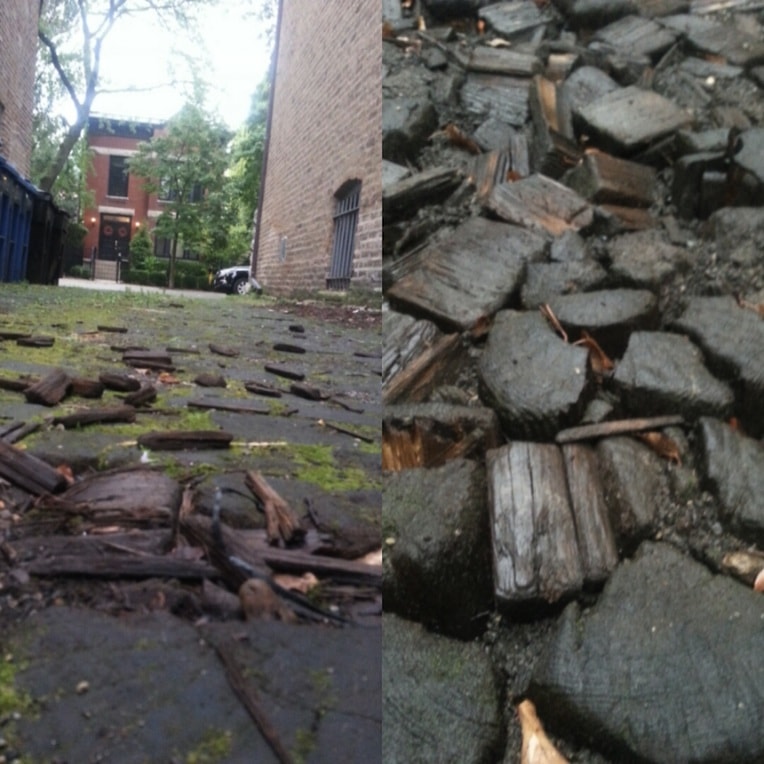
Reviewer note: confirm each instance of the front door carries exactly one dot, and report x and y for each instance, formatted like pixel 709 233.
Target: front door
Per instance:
pixel 114 237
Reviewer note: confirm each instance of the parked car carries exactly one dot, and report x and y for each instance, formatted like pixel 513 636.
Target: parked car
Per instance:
pixel 235 280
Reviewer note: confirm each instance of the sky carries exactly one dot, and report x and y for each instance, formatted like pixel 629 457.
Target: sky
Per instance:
pixel 234 60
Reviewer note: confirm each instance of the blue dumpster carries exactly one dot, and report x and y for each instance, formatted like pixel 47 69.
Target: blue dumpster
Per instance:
pixel 17 197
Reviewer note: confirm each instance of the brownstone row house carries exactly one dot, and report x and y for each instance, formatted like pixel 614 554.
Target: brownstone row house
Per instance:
pixel 319 222
pixel 121 205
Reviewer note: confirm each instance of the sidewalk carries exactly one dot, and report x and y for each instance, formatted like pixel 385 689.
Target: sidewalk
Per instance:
pixel 114 286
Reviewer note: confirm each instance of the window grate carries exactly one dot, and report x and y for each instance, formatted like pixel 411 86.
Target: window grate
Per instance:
pixel 345 222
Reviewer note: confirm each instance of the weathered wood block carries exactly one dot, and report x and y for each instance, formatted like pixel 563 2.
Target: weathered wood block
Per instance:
pixel 515 19
pixel 503 97
pixel 637 36
pixel 605 179
pixel 535 550
pixel 503 61
pixel 627 120
pixel 402 200
pixel 471 274
pixel 29 472
pixel 596 541
pixel 554 149
pixel 542 205
pixel 51 389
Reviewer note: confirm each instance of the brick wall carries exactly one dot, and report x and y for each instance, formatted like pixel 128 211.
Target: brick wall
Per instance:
pixel 325 130
pixel 18 46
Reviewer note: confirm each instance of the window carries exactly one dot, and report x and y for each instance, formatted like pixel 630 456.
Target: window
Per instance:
pixel 348 199
pixel 168 194
pixel 118 176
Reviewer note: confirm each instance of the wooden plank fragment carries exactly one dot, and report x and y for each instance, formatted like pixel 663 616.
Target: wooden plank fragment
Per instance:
pixel 29 472
pixel 596 541
pixel 436 365
pixel 282 522
pixel 122 383
pixel 285 347
pixel 283 371
pixel 86 388
pixel 110 415
pixel 553 150
pixel 36 342
pixel 616 427
pixel 503 61
pixel 17 385
pixel 541 204
pixel 535 550
pixel 147 394
pixel 258 388
pixel 51 389
pixel 221 404
pixel 301 390
pixel 181 440
pixel 115 564
pixel 401 200
pixel 228 352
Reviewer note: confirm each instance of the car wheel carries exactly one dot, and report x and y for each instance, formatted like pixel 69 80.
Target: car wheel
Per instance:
pixel 240 286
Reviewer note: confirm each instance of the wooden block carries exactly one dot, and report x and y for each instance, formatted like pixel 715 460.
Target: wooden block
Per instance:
pixel 596 541
pixel 535 551
pixel 51 389
pixel 541 204
pixel 29 472
pixel 180 440
pixel 503 97
pixel 503 61
pixel 605 179
pixel 630 119
pixel 119 414
pixel 554 149
pixel 637 36
pixel 402 200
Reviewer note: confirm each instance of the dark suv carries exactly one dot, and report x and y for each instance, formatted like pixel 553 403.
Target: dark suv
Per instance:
pixel 232 280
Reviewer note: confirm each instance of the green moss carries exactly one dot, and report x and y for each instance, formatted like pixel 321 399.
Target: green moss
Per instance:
pixel 214 746
pixel 11 700
pixel 316 464
pixel 304 744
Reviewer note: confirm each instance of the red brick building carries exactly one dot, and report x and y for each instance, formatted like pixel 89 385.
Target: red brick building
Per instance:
pixel 18 50
pixel 121 205
pixel 320 215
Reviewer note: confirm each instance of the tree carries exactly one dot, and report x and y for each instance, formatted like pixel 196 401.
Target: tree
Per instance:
pixel 72 34
pixel 186 167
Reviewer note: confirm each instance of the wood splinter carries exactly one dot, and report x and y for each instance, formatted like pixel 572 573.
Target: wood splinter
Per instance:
pixel 282 523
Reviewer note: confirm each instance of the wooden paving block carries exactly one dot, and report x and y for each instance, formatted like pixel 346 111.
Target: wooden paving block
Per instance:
pixel 51 389
pixel 29 472
pixel 402 200
pixel 596 541
pixel 637 36
pixel 503 97
pixel 628 120
pixel 541 204
pixel 535 550
pixel 503 61
pixel 471 274
pixel 554 148
pixel 605 179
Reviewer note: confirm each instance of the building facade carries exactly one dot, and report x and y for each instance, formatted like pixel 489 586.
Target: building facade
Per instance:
pixel 18 50
pixel 320 215
pixel 121 205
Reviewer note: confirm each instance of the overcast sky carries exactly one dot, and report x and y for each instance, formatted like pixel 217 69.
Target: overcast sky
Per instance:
pixel 137 55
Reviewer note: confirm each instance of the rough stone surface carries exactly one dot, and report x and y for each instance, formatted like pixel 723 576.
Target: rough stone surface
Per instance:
pixel 666 667
pixel 436 562
pixel 663 373
pixel 644 260
pixel 535 381
pixel 440 699
pixel 733 465
pixel 635 488
pixel 546 280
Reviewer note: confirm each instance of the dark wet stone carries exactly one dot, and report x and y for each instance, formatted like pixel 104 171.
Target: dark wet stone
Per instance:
pixel 733 466
pixel 635 488
pixel 609 315
pixel 732 339
pixel 663 373
pixel 666 667
pixel 436 564
pixel 536 382
pixel 546 280
pixel 644 260
pixel 440 699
